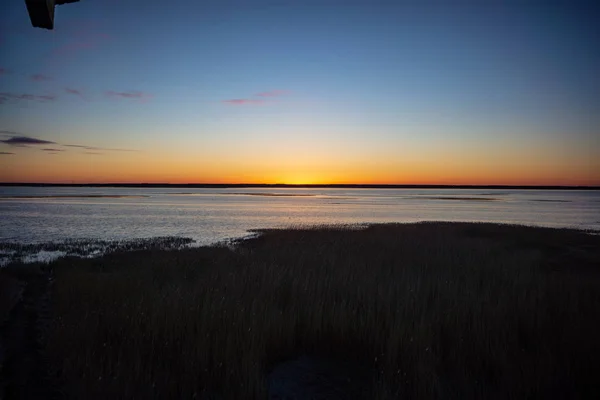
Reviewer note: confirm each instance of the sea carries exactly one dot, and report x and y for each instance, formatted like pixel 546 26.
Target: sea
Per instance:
pixel 43 223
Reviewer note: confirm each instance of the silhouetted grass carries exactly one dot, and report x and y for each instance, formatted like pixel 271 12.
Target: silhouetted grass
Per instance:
pixel 434 310
pixel 10 294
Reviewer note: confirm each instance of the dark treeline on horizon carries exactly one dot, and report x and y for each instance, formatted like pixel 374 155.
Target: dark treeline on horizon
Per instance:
pixel 299 186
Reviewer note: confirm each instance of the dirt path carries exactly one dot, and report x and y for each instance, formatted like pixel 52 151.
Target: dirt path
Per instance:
pixel 23 368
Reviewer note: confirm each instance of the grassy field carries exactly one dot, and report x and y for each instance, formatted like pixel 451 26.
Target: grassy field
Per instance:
pixel 428 310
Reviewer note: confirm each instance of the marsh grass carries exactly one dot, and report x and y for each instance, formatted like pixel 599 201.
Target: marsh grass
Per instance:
pixel 14 252
pixel 433 310
pixel 11 289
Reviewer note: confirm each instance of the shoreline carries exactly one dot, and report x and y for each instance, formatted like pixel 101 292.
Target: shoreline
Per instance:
pixel 12 252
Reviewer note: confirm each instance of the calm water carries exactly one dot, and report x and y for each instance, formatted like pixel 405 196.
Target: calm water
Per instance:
pixel 211 215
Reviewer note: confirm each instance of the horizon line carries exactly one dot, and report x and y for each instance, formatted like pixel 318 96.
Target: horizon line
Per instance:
pixel 304 185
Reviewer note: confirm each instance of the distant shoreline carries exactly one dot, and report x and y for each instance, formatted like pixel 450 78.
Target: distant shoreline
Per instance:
pixel 286 186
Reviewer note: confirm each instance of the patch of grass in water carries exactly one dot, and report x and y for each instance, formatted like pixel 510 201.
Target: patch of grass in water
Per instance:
pixel 14 252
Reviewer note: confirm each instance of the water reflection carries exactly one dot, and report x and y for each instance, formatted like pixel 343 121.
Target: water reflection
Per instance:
pixel 210 215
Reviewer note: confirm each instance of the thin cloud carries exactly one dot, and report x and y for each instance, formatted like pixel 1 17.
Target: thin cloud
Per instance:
pixel 20 141
pixel 40 78
pixel 73 47
pixel 265 97
pixel 273 93
pixel 4 71
pixel 75 92
pixel 93 153
pixel 5 97
pixel 6 153
pixel 241 102
pixel 141 96
pixel 79 27
pixel 78 146
pixel 83 42
pixel 9 133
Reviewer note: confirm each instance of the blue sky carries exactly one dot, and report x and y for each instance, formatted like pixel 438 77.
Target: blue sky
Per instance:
pixel 357 79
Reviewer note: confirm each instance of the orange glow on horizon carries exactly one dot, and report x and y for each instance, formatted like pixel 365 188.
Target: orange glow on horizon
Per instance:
pixel 84 175
pixel 303 167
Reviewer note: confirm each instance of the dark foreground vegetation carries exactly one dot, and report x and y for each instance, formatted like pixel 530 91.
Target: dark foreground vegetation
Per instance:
pixel 415 311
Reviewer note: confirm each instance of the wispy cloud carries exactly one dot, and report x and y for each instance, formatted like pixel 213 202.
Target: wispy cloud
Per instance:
pixel 20 140
pixel 75 92
pixel 265 97
pixel 40 78
pixel 82 41
pixel 241 102
pixel 79 27
pixel 78 146
pixel 16 97
pixel 93 153
pixel 135 95
pixel 4 71
pixel 273 93
pixel 6 153
pixel 25 141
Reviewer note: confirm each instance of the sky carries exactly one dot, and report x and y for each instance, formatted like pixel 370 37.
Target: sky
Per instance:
pixel 189 91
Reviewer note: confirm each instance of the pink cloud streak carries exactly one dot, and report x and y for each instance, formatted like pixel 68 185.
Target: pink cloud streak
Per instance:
pixel 40 77
pixel 273 93
pixel 238 102
pixel 82 43
pixel 141 96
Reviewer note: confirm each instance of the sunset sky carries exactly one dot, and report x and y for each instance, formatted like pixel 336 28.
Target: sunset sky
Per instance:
pixel 300 92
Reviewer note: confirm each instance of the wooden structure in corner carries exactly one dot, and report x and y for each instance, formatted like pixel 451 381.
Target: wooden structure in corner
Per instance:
pixel 41 12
